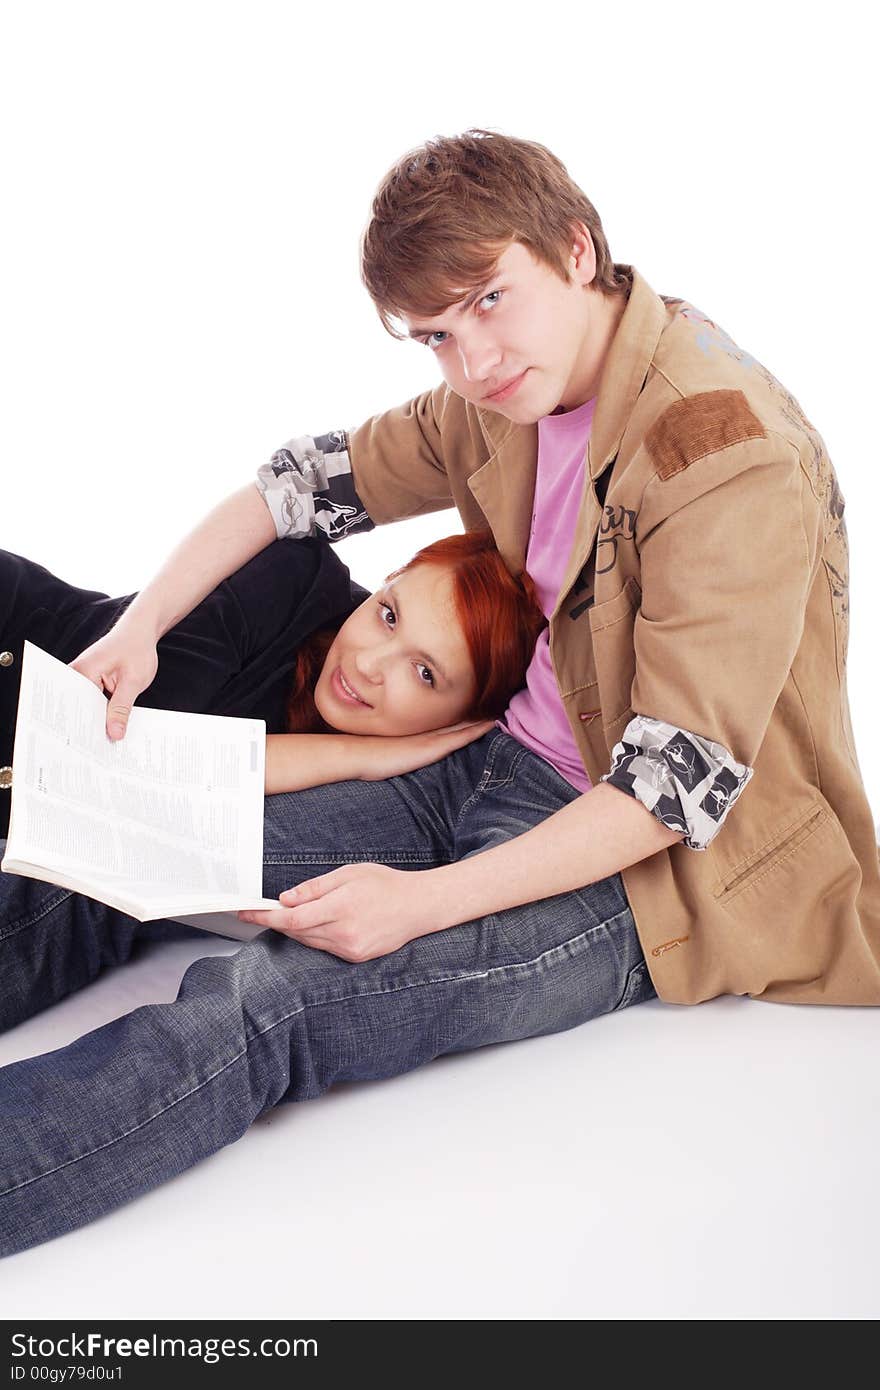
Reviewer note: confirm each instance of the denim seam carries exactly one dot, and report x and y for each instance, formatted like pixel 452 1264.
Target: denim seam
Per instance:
pixel 36 917
pixel 631 980
pixel 365 856
pixel 486 780
pixel 110 1142
pixel 317 1003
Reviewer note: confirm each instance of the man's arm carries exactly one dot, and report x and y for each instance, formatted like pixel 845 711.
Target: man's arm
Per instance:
pixel 729 544
pixel 362 911
pixel 307 488
pixel 592 838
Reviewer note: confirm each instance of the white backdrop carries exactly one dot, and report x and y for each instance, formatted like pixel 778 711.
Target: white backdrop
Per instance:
pixel 185 186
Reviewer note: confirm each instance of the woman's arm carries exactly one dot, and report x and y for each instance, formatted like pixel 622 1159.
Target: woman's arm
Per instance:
pixel 297 761
pixel 225 540
pixel 124 662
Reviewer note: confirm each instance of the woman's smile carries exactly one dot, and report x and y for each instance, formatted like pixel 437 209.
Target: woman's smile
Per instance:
pixel 405 646
pixel 343 690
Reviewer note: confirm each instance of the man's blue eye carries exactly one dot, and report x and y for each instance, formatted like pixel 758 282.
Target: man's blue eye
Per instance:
pixel 430 339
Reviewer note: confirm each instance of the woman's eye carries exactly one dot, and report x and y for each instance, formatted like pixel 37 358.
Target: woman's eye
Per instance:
pixel 420 666
pixel 385 608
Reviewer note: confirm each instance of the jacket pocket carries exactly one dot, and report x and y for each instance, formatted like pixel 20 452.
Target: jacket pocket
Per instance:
pixel 611 625
pixel 771 855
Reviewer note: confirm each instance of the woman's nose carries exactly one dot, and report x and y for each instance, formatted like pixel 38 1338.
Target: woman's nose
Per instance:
pixel 369 663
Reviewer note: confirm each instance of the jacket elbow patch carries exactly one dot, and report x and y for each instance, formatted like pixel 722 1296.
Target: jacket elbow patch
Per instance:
pixel 700 425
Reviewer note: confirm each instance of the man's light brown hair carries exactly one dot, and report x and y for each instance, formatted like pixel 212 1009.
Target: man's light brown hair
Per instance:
pixel 445 212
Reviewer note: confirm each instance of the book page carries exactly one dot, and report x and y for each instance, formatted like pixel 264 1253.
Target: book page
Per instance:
pixel 169 818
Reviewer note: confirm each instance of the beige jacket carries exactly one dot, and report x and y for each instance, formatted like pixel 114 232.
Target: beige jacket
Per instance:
pixel 707 588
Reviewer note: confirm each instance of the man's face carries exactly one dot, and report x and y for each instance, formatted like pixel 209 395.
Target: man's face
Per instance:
pixel 522 345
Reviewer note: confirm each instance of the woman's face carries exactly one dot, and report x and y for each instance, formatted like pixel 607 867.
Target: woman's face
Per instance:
pixel 400 663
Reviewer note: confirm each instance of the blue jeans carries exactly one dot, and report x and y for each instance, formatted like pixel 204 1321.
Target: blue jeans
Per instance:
pixel 141 1099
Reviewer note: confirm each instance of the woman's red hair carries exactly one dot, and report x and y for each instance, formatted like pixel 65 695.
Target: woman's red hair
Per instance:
pixel 499 616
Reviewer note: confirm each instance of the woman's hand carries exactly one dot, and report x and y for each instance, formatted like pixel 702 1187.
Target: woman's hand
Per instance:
pixel 390 757
pixel 297 761
pixel 123 663
pixel 358 912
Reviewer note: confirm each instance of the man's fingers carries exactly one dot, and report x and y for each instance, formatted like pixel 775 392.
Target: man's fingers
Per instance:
pixel 274 917
pixel 308 908
pixel 317 940
pixel 306 916
pixel 314 888
pixel 291 921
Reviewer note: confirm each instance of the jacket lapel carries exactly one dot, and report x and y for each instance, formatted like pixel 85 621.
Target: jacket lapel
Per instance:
pixel 504 487
pixel 626 368
pixel 623 378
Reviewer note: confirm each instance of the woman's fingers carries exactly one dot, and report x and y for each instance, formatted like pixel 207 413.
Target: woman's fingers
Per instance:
pixel 460 734
pixel 119 708
pixel 123 665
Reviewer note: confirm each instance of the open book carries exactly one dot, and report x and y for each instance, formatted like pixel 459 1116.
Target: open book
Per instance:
pixel 168 822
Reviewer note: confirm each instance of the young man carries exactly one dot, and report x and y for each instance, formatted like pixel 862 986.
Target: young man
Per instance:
pixel 671 807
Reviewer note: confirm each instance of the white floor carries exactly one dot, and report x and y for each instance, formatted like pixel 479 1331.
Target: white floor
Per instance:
pixel 717 1162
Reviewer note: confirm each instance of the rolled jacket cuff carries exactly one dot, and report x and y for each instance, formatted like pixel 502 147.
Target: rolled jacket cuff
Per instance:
pixel 309 489
pixel 688 782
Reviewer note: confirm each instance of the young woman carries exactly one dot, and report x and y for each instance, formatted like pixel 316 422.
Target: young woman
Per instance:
pixel 447 638
pixel 368 694
pixel 363 692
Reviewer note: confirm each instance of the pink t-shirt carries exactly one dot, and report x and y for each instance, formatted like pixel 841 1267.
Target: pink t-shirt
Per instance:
pixel 536 715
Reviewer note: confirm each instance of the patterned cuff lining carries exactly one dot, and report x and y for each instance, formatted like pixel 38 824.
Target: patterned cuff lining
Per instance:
pixel 308 487
pixel 689 783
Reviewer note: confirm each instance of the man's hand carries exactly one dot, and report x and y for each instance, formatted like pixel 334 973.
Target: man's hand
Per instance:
pixel 357 912
pixel 123 663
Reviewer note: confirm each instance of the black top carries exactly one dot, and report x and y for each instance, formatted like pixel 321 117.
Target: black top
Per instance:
pixel 234 654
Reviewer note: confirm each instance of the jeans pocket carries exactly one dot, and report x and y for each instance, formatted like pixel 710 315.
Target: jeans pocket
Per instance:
pixel 639 987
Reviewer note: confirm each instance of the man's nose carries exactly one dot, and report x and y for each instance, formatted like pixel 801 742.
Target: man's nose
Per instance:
pixel 478 359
